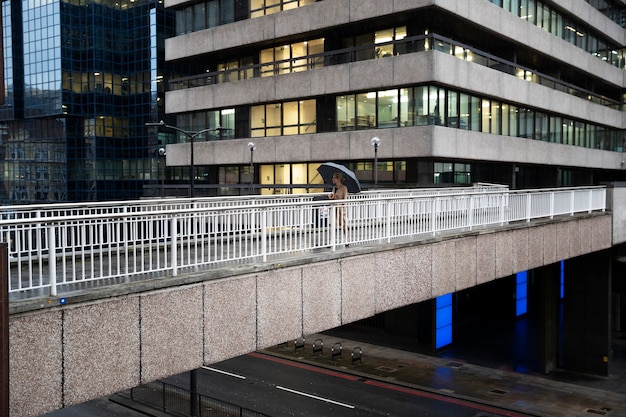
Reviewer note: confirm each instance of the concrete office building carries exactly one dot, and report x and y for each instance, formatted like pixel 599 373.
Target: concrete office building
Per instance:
pixel 525 93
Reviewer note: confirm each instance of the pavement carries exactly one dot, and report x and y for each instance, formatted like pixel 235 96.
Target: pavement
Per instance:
pixel 400 361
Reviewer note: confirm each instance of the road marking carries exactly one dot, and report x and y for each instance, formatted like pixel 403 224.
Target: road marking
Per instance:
pixel 315 397
pixel 444 398
pixel 304 366
pixel 223 372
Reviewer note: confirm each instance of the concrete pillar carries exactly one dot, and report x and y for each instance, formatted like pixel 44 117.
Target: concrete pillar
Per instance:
pixel 587 312
pixel 547 279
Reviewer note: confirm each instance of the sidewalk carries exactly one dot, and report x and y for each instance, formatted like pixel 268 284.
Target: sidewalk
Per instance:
pixel 532 394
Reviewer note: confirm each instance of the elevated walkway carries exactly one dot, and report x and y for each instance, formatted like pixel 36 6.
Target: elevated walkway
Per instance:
pixel 107 338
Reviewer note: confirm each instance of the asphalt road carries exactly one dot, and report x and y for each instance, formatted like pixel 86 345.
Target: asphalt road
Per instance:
pixel 278 387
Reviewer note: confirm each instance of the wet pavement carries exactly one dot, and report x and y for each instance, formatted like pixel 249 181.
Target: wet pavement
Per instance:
pixel 485 371
pixel 487 379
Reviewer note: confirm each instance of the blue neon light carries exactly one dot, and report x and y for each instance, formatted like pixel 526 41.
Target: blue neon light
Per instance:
pixel 562 290
pixel 443 320
pixel 521 293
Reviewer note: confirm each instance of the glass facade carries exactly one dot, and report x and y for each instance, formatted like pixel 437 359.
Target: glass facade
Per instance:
pixel 79 88
pixel 569 29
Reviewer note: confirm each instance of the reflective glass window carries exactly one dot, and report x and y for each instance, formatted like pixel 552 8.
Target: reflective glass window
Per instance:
pixel 308 116
pixel 452 109
pixel 366 110
pixel 407 107
pixel 475 113
pixel 388 108
pixel 495 118
pixel 506 119
pixel 568 131
pixel 591 138
pixel 513 120
pixel 486 116
pixel 421 105
pixel 383 39
pixel 526 123
pixel 579 134
pixel 346 112
pixel 556 129
pixel 541 126
pixel 464 111
pixel 199 16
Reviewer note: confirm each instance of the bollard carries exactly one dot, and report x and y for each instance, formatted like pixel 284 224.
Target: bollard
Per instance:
pixel 335 350
pixel 318 346
pixel 356 355
pixel 299 344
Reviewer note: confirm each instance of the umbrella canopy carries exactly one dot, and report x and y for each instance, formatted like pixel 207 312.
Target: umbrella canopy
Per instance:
pixel 327 169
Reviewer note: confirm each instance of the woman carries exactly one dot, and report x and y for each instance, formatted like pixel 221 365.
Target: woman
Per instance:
pixel 340 192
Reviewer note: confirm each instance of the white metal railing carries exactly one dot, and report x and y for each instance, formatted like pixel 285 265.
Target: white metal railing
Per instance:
pixel 60 248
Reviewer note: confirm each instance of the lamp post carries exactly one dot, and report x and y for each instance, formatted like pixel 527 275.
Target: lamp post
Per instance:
pixel 191 135
pixel 252 147
pixel 162 153
pixel 375 142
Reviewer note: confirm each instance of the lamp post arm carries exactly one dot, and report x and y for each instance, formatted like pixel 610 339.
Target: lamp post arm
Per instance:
pixel 191 135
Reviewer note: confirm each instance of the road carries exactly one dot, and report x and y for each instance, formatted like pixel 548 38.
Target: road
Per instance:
pixel 279 387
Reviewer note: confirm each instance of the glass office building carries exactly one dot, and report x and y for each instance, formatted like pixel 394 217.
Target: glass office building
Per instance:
pixel 81 78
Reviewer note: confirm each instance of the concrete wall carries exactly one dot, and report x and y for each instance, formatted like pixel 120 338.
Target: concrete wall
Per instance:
pixel 64 355
pixel 616 202
pixel 398 143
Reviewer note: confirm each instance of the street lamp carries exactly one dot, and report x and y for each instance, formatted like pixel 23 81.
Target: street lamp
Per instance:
pixel 162 153
pixel 375 142
pixel 252 147
pixel 191 135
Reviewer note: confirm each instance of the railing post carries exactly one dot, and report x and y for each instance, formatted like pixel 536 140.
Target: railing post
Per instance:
pixel 590 207
pixel 388 222
pixel 552 205
pixel 571 202
pixel 433 216
pixel 52 260
pixel 333 221
pixel 502 200
pixel 529 205
pixel 264 234
pixel 470 214
pixel 174 245
pixel 39 241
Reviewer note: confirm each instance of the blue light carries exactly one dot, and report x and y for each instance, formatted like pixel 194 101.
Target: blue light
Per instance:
pixel 521 293
pixel 562 290
pixel 443 320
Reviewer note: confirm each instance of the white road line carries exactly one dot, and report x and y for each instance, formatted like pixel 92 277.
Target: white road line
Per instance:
pixel 223 372
pixel 315 397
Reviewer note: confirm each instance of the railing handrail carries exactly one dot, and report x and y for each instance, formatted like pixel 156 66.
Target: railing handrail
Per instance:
pixel 35 209
pixel 50 252
pixel 427 193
